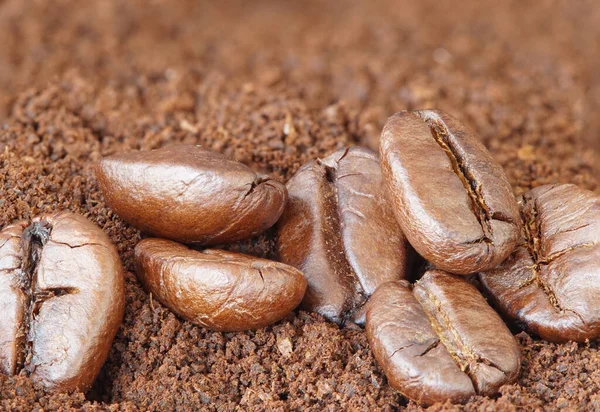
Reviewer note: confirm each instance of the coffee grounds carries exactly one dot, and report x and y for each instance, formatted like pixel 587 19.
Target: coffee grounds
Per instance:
pixel 275 84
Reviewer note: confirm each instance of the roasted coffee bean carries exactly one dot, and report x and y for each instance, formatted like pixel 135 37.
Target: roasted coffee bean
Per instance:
pixel 551 283
pixel 339 230
pixel 441 341
pixel 453 202
pixel 62 298
pixel 190 194
pixel 220 290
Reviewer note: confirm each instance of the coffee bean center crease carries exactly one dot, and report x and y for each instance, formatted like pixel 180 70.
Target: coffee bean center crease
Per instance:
pixel 331 176
pixel 33 240
pixel 478 206
pixel 532 228
pixel 463 356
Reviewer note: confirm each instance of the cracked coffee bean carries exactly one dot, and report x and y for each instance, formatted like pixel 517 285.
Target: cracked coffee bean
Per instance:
pixel 190 194
pixel 339 230
pixel 220 290
pixel 441 341
pixel 452 200
pixel 62 298
pixel 551 283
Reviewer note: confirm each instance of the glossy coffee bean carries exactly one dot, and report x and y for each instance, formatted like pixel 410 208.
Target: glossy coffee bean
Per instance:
pixel 452 200
pixel 339 230
pixel 62 300
pixel 441 341
pixel 220 290
pixel 190 194
pixel 551 283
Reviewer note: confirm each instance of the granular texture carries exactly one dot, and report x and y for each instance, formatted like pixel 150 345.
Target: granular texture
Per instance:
pixel 275 84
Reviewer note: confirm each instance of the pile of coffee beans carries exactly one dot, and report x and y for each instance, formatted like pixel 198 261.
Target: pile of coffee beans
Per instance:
pixel 410 245
pixel 188 194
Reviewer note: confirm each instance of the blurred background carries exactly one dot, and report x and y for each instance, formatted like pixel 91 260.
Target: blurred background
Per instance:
pixel 375 57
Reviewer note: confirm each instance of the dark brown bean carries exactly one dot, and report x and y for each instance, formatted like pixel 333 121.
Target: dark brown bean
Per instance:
pixel 339 230
pixel 453 202
pixel 441 341
pixel 190 194
pixel 62 298
pixel 551 283
pixel 220 290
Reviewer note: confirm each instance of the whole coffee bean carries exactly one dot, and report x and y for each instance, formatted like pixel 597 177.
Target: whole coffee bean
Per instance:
pixel 441 341
pixel 190 194
pixel 453 202
pixel 62 298
pixel 551 283
pixel 339 230
pixel 220 290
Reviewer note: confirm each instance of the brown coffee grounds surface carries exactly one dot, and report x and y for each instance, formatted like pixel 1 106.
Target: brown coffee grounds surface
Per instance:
pixel 275 84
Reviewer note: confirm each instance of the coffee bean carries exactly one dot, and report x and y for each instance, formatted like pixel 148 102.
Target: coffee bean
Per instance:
pixel 551 283
pixel 62 298
pixel 190 194
pixel 453 202
pixel 223 291
pixel 441 341
pixel 339 230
